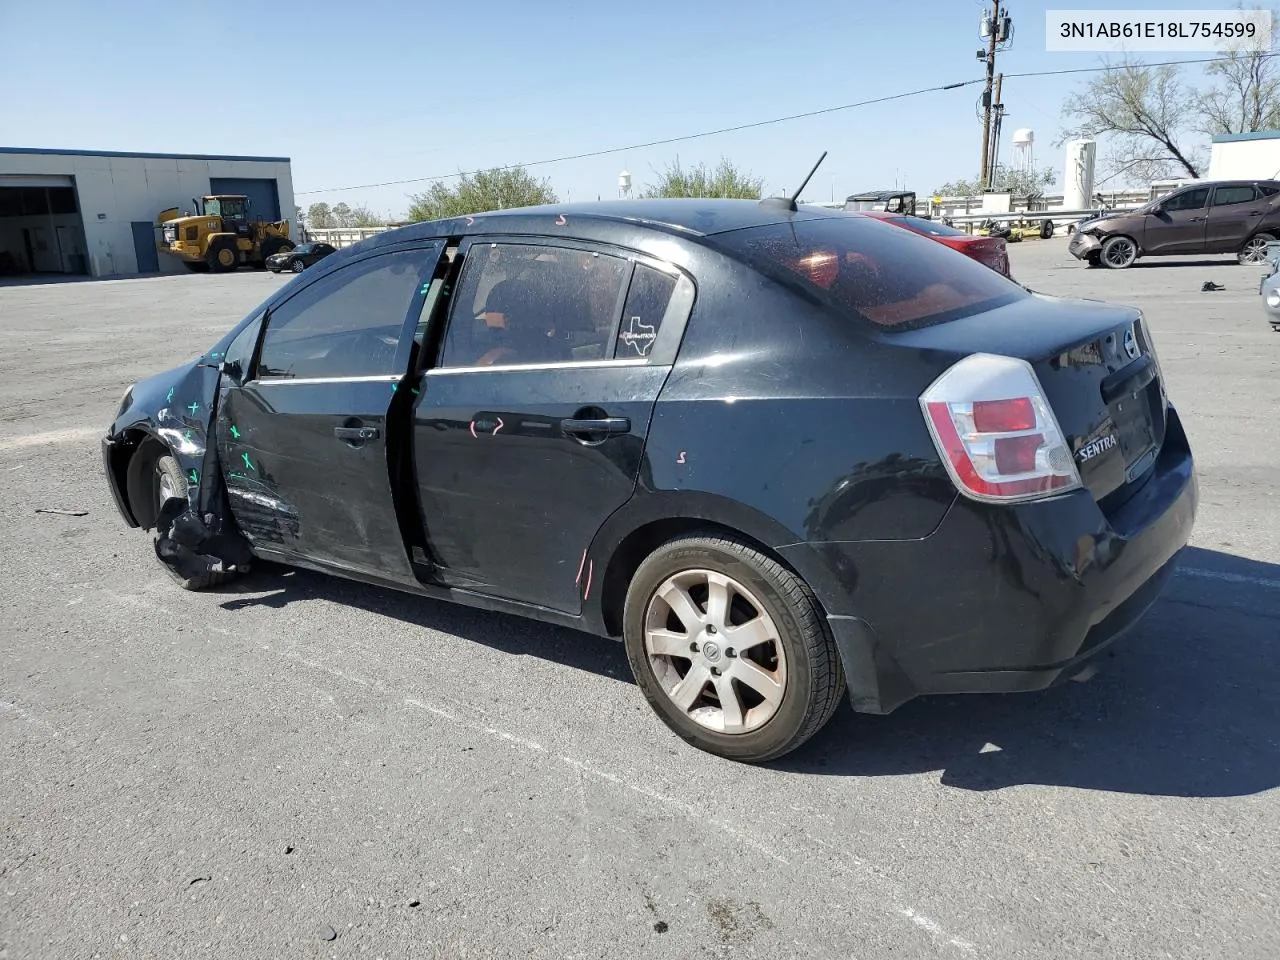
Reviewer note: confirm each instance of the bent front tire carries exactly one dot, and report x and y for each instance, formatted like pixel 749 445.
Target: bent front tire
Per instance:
pixel 730 648
pixel 171 483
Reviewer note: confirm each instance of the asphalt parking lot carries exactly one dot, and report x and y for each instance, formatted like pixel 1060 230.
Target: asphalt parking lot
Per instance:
pixel 297 766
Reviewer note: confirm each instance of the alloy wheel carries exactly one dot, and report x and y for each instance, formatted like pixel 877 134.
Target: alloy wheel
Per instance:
pixel 715 651
pixel 1254 251
pixel 1120 253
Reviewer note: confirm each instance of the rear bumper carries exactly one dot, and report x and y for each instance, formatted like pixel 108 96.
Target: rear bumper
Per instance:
pixel 1003 599
pixel 1082 245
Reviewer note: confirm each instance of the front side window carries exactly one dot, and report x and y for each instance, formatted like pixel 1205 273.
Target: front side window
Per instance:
pixel 1189 200
pixel 346 324
pixel 873 271
pixel 534 304
pixel 1226 196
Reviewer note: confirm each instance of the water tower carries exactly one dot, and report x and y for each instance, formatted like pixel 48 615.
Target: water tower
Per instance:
pixel 624 184
pixel 1024 140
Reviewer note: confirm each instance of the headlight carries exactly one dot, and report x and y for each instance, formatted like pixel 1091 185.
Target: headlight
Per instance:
pixel 1273 299
pixel 125 399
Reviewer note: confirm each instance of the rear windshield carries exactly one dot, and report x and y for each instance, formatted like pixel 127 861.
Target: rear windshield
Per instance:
pixel 876 271
pixel 933 228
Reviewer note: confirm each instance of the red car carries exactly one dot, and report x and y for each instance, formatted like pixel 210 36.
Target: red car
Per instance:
pixel 989 251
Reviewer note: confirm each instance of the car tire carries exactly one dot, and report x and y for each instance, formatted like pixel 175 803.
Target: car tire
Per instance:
pixel 219 263
pixel 1046 229
pixel 1118 252
pixel 170 481
pixel 1254 251
pixel 792 681
pixel 297 266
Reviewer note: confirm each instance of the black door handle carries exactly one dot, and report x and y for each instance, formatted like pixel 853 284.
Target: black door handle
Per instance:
pixel 1197 219
pixel 608 425
pixel 356 433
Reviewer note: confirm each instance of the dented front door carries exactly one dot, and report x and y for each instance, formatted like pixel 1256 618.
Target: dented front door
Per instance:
pixel 303 436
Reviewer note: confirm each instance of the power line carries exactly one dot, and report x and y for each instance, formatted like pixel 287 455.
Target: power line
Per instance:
pixel 757 123
pixel 659 143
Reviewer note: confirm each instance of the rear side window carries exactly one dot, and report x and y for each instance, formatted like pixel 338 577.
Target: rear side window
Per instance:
pixel 534 304
pixel 1225 196
pixel 875 271
pixel 1269 189
pixel 642 316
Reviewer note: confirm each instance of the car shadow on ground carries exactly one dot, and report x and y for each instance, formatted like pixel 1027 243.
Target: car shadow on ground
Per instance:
pixel 1185 705
pixel 274 586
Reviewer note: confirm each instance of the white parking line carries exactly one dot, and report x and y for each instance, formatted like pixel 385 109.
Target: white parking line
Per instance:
pixel 51 437
pixel 1229 577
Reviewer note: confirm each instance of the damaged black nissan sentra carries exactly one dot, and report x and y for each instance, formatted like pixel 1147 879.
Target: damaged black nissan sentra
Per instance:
pixel 780 451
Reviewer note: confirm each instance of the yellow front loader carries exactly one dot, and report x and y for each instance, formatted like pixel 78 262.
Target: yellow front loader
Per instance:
pixel 220 236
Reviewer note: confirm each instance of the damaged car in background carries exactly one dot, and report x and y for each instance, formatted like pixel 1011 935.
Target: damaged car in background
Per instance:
pixel 1235 216
pixel 781 452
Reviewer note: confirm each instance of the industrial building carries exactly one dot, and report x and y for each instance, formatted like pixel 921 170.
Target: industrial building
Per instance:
pixel 94 212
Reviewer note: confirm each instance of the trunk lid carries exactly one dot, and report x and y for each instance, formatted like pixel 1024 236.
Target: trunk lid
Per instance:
pixel 1098 370
pixel 989 251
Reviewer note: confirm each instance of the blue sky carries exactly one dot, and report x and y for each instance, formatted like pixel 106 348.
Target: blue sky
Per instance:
pixel 360 93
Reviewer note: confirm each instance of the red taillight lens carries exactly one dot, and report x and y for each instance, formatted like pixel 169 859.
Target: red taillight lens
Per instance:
pixel 1004 416
pixel 995 431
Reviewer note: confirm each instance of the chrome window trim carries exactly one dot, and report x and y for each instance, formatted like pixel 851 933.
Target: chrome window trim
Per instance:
pixel 559 365
pixel 375 378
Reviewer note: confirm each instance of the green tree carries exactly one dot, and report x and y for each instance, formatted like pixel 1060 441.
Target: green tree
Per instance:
pixel 1244 91
pixel 725 180
pixel 1146 114
pixel 1020 183
pixel 346 216
pixel 498 189
pixel 320 217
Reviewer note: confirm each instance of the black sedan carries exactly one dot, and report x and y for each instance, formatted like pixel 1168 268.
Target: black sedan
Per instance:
pixel 300 257
pixel 778 451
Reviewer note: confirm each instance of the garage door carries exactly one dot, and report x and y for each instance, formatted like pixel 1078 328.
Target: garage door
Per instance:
pixel 35 180
pixel 264 196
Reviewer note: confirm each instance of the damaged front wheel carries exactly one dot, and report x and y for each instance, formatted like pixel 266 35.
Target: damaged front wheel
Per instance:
pixel 171 484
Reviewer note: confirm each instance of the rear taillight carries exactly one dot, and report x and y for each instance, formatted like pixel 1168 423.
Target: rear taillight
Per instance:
pixel 996 432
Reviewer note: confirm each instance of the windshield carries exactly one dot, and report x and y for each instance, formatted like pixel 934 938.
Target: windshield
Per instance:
pixel 875 271
pixel 304 248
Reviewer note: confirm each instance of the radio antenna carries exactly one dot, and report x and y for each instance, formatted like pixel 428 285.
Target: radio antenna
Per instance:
pixel 789 203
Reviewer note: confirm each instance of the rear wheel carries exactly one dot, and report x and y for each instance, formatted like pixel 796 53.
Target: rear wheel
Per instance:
pixel 730 648
pixel 1119 252
pixel 171 483
pixel 223 256
pixel 1255 249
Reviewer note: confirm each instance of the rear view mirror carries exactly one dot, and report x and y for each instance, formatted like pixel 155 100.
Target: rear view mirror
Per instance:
pixel 232 370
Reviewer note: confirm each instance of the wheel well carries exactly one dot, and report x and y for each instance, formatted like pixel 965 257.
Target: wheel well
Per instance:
pixel 641 542
pixel 136 476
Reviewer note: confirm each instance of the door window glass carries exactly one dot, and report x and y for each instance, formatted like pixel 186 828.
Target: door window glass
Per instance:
pixel 1225 196
pixel 1191 200
pixel 642 316
pixel 346 324
pixel 533 304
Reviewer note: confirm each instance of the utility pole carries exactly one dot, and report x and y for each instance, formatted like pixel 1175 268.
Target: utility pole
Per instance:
pixel 992 29
pixel 996 123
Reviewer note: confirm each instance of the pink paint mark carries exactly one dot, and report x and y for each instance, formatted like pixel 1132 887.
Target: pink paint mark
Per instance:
pixel 561 221
pixel 578 578
pixel 470 221
pixel 591 568
pixel 681 459
pixel 498 427
pixel 473 429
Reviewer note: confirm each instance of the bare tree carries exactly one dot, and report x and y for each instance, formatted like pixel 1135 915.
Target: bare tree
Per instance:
pixel 1245 92
pixel 1146 113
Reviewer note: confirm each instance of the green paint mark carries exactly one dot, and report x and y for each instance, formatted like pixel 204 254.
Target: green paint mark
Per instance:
pixel 395 387
pixel 416 391
pixel 215 356
pixel 247 462
pixel 169 396
pixel 193 407
pixel 187 436
pixel 193 477
pixel 235 433
pixel 426 287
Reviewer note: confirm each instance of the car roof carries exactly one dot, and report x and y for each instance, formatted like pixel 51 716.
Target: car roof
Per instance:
pixel 690 217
